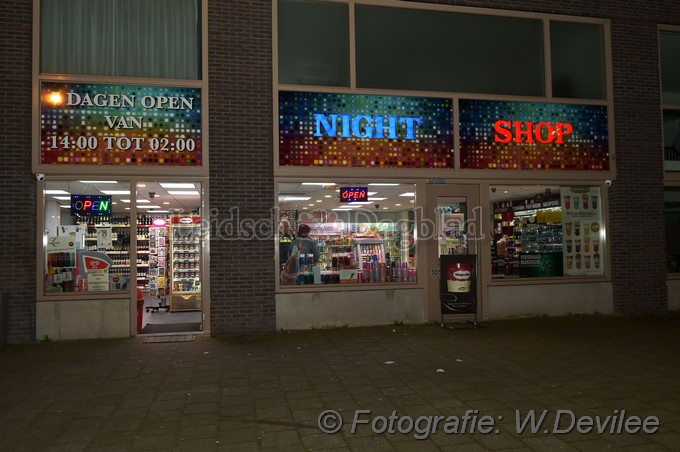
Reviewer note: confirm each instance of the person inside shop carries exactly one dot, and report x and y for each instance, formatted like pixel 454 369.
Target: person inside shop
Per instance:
pixel 304 244
pixel 286 236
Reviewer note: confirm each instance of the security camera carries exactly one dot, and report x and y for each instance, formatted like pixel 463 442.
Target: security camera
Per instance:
pixel 377 206
pixel 493 189
pixel 40 177
pixel 152 194
pixel 608 183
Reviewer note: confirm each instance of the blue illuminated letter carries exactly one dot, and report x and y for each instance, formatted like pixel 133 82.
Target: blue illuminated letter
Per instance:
pixel 391 128
pixel 331 127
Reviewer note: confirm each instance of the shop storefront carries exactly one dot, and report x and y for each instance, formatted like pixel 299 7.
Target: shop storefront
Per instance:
pixel 120 159
pixel 381 183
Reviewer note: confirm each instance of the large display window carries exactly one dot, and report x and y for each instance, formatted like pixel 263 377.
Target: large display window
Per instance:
pixel 346 232
pixel 93 239
pixel 547 231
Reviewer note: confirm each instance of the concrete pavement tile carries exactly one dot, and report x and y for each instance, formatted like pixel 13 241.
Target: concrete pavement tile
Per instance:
pixel 546 442
pixel 193 420
pixel 323 441
pixel 142 443
pixel 371 442
pixel 237 411
pixel 282 439
pixel 252 446
pixel 193 445
pixel 274 412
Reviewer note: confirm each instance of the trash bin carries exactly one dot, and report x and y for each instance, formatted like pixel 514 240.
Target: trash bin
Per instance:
pixel 140 309
pixel 4 313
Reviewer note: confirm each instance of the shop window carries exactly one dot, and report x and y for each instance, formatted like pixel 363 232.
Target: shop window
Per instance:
pixel 672 218
pixel 86 237
pixel 134 38
pixel 578 60
pixel 671 140
pixel 89 248
pixel 547 231
pixel 454 52
pixel 342 233
pixel 670 67
pixel 313 43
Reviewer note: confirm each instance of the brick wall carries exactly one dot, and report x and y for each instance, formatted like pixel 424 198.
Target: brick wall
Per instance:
pixel 241 167
pixel 17 185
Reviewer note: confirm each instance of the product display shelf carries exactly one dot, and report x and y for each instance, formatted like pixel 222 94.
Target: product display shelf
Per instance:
pixel 370 249
pixel 120 229
pixel 185 247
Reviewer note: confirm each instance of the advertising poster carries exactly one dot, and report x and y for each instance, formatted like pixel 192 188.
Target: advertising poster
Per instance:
pixel 540 264
pixel 582 230
pixel 104 238
pixel 458 284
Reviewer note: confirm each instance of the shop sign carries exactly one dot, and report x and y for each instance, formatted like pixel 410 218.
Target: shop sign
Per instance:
pixel 533 136
pixel 99 124
pixel 351 130
pixel 353 194
pixel 535 203
pixel 90 205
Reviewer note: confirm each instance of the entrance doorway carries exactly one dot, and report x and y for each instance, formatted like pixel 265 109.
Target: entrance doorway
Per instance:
pixel 170 250
pixel 456 217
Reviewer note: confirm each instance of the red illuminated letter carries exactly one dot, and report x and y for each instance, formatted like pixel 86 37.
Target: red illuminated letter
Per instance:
pixel 563 128
pixel 87 204
pixel 529 132
pixel 503 133
pixel 549 136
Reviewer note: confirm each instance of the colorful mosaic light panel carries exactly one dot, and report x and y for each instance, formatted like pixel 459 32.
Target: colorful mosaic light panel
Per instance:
pixel 565 137
pixel 348 135
pixel 95 124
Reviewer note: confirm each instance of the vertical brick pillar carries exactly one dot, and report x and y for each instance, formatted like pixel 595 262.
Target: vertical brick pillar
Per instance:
pixel 241 167
pixel 636 224
pixel 17 184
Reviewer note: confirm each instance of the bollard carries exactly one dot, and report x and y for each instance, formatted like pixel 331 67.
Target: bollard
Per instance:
pixel 4 310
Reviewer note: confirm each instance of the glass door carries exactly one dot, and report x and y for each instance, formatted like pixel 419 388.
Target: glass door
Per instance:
pixel 454 213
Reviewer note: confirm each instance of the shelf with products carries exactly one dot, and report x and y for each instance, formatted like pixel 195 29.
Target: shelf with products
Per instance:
pixel 184 263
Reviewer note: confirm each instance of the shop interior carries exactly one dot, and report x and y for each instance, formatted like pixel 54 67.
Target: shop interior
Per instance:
pixel 167 257
pixel 344 232
pixel 527 220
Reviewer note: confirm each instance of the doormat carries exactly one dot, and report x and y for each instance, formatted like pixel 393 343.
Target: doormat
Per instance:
pixel 169 338
pixel 156 328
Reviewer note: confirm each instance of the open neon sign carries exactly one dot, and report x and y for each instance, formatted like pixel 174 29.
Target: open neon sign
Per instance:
pixel 90 205
pixel 353 194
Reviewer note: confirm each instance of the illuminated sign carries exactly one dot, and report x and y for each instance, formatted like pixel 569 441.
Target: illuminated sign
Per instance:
pixel 98 124
pixel 365 126
pixel 527 132
pixel 90 205
pixel 533 136
pixel 367 131
pixel 353 194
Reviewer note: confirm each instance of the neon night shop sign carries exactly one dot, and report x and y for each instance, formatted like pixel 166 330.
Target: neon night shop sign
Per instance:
pixel 364 126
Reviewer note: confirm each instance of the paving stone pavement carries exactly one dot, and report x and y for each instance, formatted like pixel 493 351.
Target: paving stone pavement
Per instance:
pixel 267 392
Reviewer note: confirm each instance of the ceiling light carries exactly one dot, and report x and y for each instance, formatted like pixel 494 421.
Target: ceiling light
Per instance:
pixel 385 208
pixel 177 185
pixel 380 184
pixel 166 203
pixel 397 205
pixel 294 198
pixel 98 181
pixel 148 207
pixel 64 206
pixel 143 200
pixel 57 192
pixel 328 196
pixel 319 200
pixel 183 192
pixel 127 208
pixel 408 194
pixel 141 185
pixel 311 205
pixel 114 203
pixel 377 199
pixel 158 211
pixel 62 198
pixel 116 192
pixel 318 183
pixel 371 193
pixel 304 208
